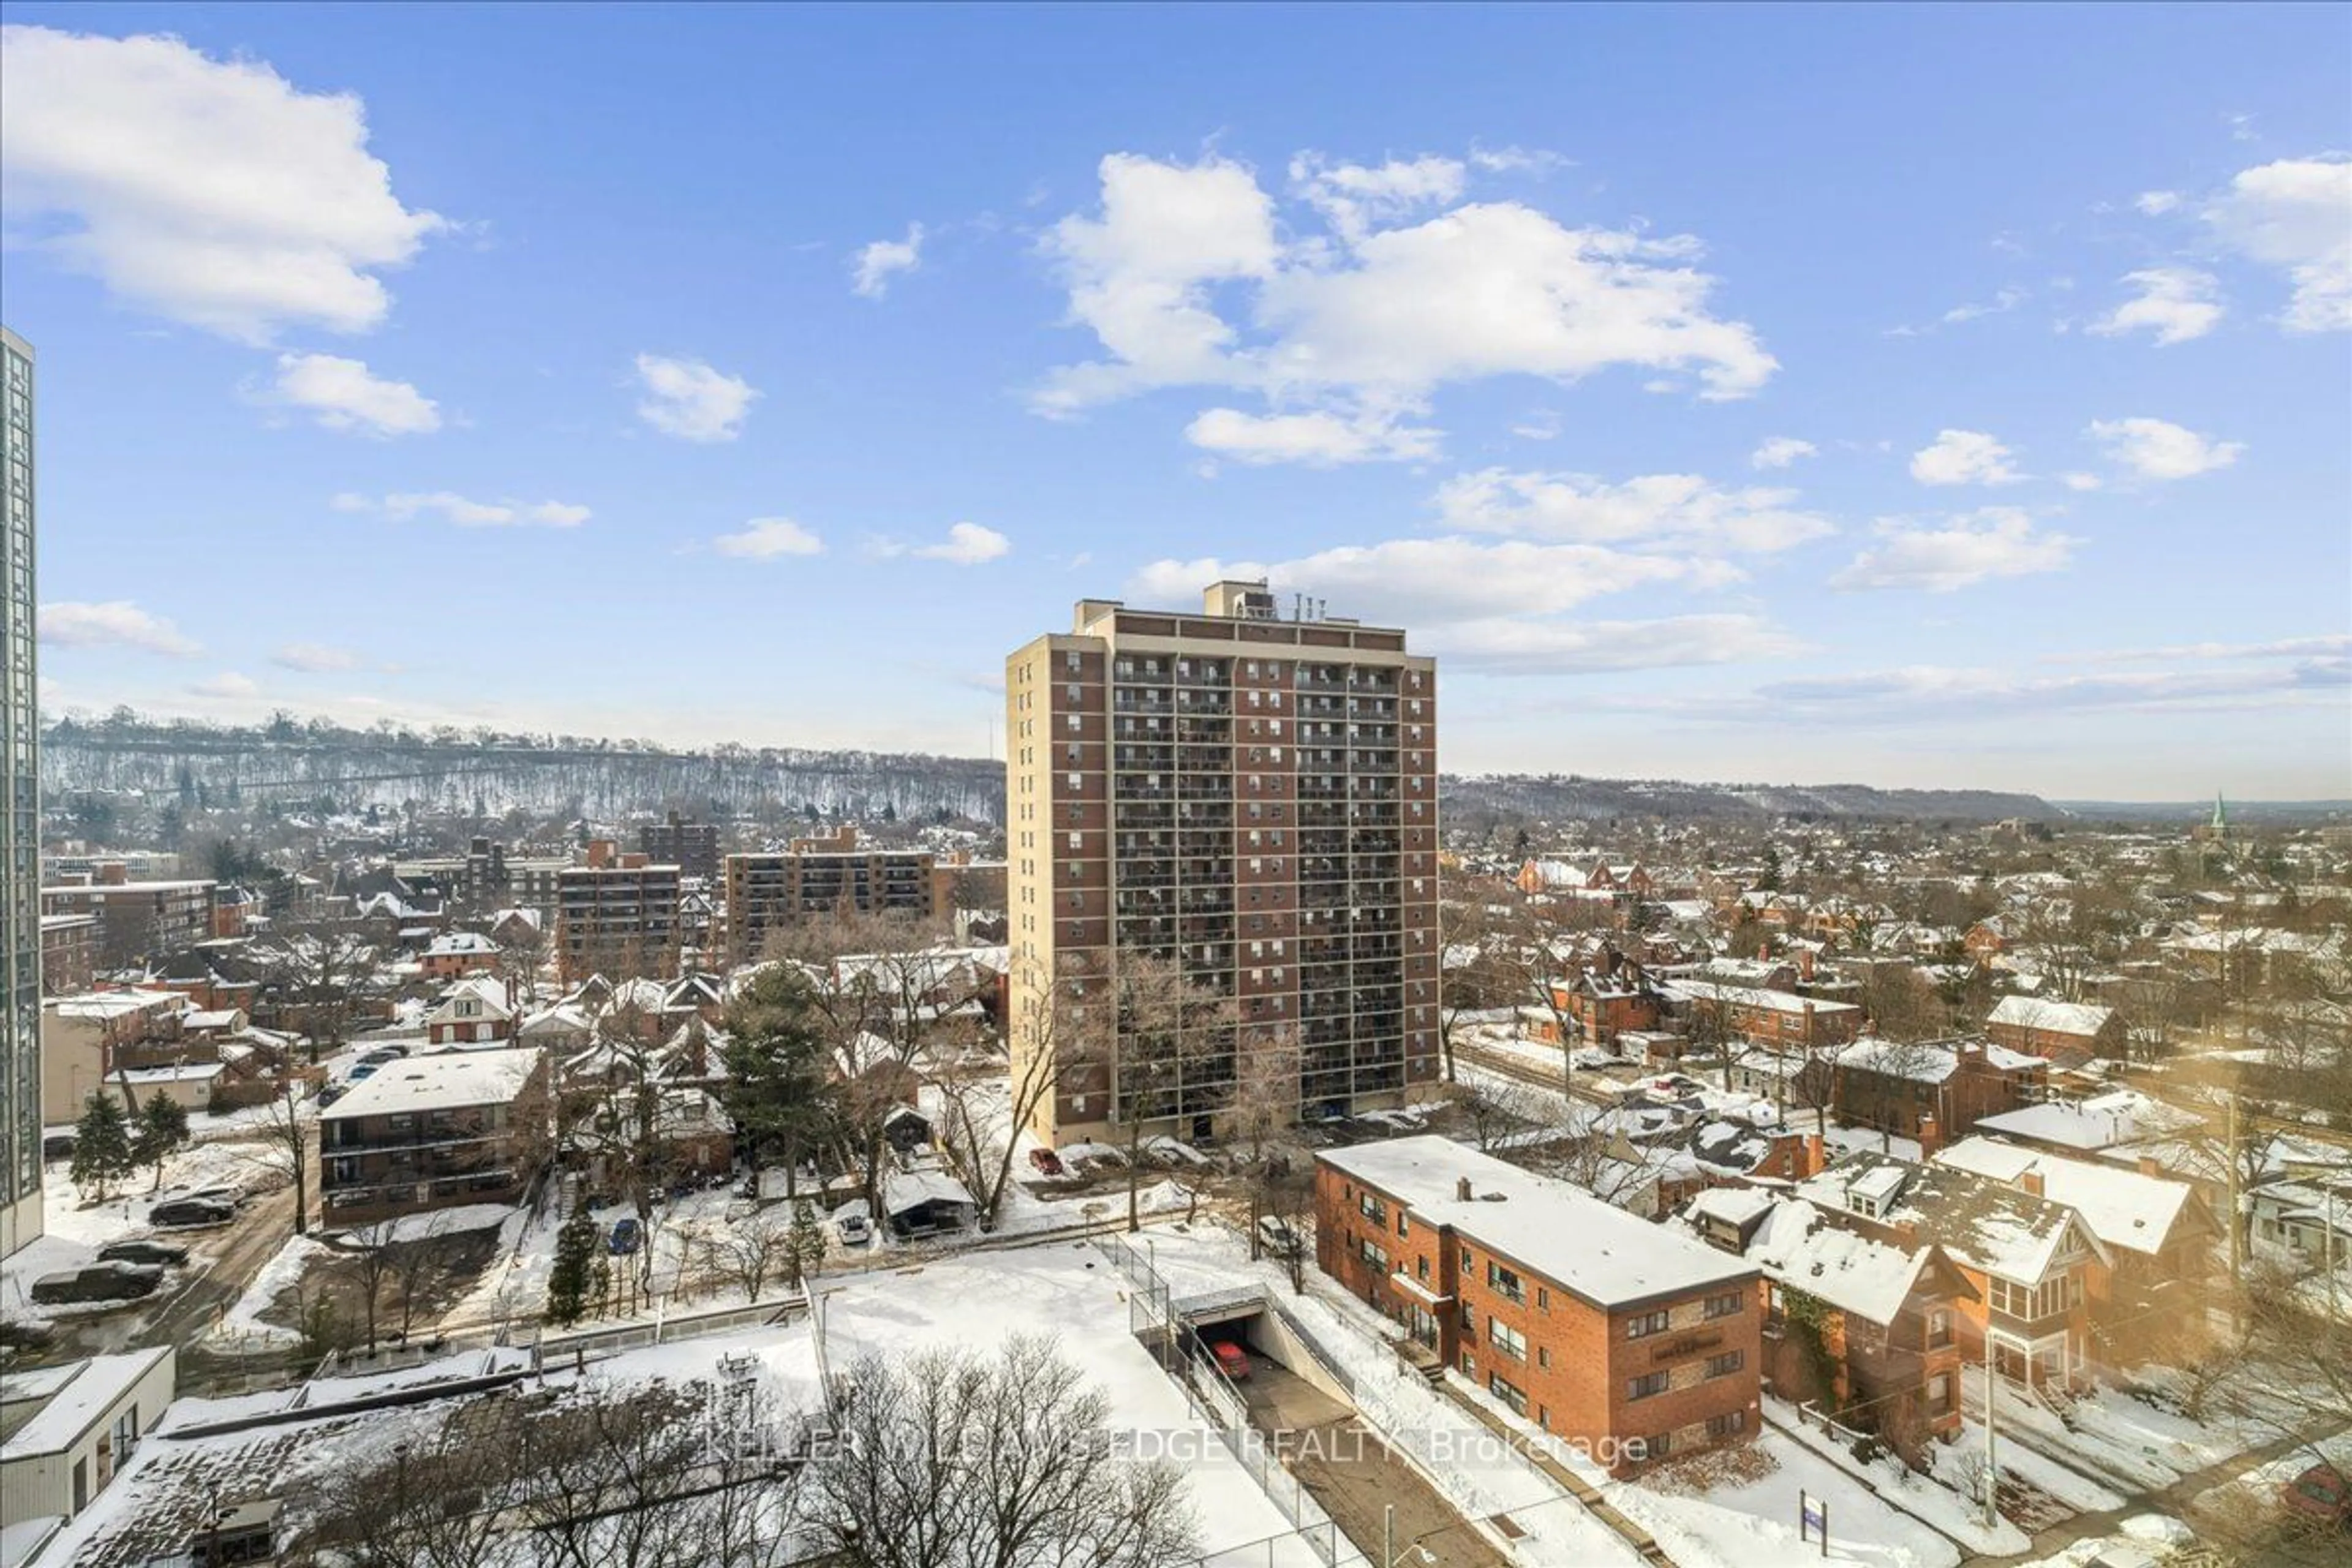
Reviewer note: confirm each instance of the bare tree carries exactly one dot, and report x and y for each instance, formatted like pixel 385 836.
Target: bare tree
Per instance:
pixel 283 1147
pixel 1054 1042
pixel 1172 1037
pixel 370 1249
pixel 950 1459
pixel 315 969
pixel 419 1259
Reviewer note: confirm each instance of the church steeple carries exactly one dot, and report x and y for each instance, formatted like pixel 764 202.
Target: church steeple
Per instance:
pixel 2221 817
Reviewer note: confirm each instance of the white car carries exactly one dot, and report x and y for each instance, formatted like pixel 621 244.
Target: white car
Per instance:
pixel 854 1229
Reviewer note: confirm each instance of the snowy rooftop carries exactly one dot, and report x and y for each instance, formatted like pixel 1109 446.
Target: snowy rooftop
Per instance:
pixel 1982 1223
pixel 103 1006
pixel 1555 1229
pixel 1690 989
pixel 85 1397
pixel 444 1082
pixel 2100 1121
pixel 2122 1207
pixel 1797 1246
pixel 2050 1018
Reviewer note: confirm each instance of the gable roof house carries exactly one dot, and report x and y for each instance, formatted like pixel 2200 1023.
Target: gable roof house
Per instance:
pixel 1878 1316
pixel 2160 1236
pixel 2068 1034
pixel 2027 1258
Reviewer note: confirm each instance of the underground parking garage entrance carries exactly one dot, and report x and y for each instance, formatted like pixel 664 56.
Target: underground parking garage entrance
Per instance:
pixel 1301 1411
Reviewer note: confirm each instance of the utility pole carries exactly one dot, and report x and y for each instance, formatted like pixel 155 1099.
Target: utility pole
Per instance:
pixel 1993 1468
pixel 2237 1222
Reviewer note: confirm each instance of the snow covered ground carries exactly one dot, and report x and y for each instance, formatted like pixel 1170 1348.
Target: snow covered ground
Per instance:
pixel 1068 1289
pixel 242 1328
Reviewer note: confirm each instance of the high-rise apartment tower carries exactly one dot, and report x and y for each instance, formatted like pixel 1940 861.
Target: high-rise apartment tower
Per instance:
pixel 1248 798
pixel 20 816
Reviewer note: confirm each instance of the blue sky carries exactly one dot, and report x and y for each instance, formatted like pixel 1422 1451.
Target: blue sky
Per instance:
pixel 1938 397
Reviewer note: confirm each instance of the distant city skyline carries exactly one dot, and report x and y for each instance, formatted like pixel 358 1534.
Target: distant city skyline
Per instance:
pixel 1913 397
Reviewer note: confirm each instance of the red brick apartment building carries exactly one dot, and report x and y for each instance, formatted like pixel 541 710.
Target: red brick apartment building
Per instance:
pixel 466 1127
pixel 617 916
pixel 1777 1018
pixel 1600 1327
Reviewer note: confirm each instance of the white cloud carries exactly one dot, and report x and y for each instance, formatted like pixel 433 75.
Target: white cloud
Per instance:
pixel 2336 645
pixel 1930 693
pixel 211 192
pixel 2155 204
pixel 876 264
pixel 116 623
pixel 2175 303
pixel 1516 161
pixel 968 544
pixel 768 538
pixel 1552 647
pixel 343 395
pixel 1320 439
pixel 1655 512
pixel 2297 214
pixel 314 659
pixel 1426 582
pixel 228 683
pixel 2002 302
pixel 2158 449
pixel 465 513
pixel 1186 279
pixel 687 399
pixel 1964 458
pixel 1779 451
pixel 1352 196
pixel 2081 482
pixel 1996 542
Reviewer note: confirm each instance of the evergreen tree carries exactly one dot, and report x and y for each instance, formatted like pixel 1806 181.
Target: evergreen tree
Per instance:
pixel 577 1261
pixel 102 1152
pixel 163 1129
pixel 776 1088
pixel 804 1245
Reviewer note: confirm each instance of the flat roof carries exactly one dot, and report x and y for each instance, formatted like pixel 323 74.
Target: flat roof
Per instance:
pixel 443 1082
pixel 1555 1229
pixel 95 1388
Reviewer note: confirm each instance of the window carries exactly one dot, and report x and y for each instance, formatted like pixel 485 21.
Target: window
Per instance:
pixel 1729 1424
pixel 1505 1283
pixel 1508 1340
pixel 1508 1393
pixel 1646 1386
pixel 1374 1253
pixel 1543 1355
pixel 1372 1209
pixel 1728 1305
pixel 1940 1328
pixel 1467 1266
pixel 1403 1225
pixel 1421 1269
pixel 1727 1364
pixel 1643 1326
pixel 1543 1299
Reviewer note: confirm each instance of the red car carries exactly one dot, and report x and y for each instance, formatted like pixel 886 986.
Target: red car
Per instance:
pixel 2320 1494
pixel 1048 1164
pixel 1231 1358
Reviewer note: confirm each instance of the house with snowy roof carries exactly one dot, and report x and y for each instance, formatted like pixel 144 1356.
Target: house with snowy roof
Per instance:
pixel 1850 1319
pixel 472 1012
pixel 2159 1234
pixel 2028 1260
pixel 1931 1090
pixel 434 1131
pixel 2066 1034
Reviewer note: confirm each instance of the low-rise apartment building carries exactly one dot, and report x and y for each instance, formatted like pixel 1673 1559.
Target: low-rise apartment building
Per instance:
pixel 2067 1032
pixel 72 1429
pixel 1630 1338
pixel 1782 1019
pixel 136 920
pixel 1931 1090
pixel 434 1131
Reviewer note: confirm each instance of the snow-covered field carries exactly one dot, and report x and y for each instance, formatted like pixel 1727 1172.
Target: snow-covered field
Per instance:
pixel 242 1328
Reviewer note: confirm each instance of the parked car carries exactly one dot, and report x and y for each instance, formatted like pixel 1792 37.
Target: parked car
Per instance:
pixel 57 1146
pixel 332 1093
pixel 626 1238
pixel 364 1070
pixel 383 1055
pixel 98 1282
pixel 854 1229
pixel 139 1250
pixel 190 1213
pixel 1278 1236
pixel 1047 1163
pixel 1232 1359
pixel 2321 1494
